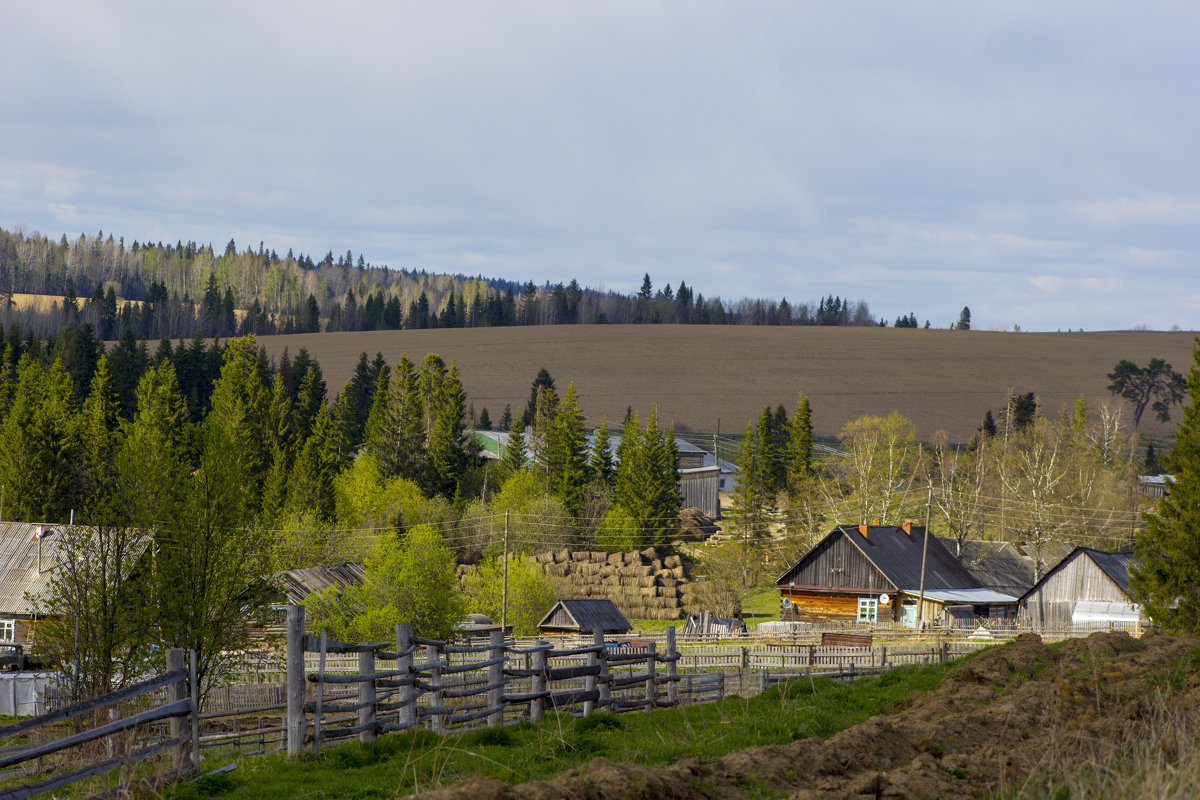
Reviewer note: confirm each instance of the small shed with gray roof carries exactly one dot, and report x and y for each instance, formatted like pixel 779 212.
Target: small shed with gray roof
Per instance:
pixel 584 615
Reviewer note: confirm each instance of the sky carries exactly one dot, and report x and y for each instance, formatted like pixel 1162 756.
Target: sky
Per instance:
pixel 1034 161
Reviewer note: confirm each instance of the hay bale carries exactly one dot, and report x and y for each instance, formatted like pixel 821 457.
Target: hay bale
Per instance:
pixel 556 570
pixel 646 581
pixel 562 556
pixel 680 573
pixel 671 562
pixel 544 558
pixel 656 563
pixel 607 570
pixel 598 557
pixel 648 555
pixel 647 592
pixel 613 559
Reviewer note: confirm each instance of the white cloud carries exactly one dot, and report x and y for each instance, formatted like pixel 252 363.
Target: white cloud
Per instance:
pixel 1148 209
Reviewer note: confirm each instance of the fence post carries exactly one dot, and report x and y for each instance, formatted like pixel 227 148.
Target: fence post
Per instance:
pixel 194 719
pixel 319 713
pixel 589 681
pixel 688 688
pixel 496 679
pixel 604 679
pixel 177 691
pixel 435 682
pixel 366 695
pixel 883 657
pixel 404 664
pixel 296 725
pixel 945 652
pixel 763 681
pixel 651 685
pixel 672 668
pixel 538 684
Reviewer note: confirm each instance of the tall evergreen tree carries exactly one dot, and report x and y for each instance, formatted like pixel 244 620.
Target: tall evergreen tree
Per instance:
pixel 541 382
pixel 39 444
pixel 567 453
pixel 1165 575
pixel 600 460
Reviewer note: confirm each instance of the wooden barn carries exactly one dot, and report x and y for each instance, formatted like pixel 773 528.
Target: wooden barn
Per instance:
pixel 872 574
pixel 584 615
pixel 1088 590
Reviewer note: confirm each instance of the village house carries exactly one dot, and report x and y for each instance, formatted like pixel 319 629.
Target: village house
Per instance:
pixel 28 555
pixel 1087 590
pixel 871 574
pixel 1000 566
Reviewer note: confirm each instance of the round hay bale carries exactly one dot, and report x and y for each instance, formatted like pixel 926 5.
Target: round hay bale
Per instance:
pixel 562 556
pixel 680 573
pixel 606 571
pixel 671 562
pixel 647 592
pixel 646 581
pixel 656 563
pixel 598 557
pixel 613 559
pixel 648 555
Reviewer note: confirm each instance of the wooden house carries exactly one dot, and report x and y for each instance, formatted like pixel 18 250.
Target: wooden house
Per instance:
pixel 584 615
pixel 1088 590
pixel 872 574
pixel 30 554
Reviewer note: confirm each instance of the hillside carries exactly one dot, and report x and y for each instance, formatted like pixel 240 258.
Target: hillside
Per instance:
pixel 940 379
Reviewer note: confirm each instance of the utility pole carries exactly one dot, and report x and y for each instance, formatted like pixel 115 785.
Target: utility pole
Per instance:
pixel 924 551
pixel 504 598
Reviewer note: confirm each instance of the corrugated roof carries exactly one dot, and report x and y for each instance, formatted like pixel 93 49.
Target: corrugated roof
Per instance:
pixel 297 584
pixel 20 575
pixel 998 566
pixel 897 555
pixel 585 615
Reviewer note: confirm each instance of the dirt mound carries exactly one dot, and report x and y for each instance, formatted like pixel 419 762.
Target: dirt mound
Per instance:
pixel 995 718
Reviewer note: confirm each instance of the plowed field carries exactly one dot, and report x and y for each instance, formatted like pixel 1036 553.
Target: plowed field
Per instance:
pixel 699 375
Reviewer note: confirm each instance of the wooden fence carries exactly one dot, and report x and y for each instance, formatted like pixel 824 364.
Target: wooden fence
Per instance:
pixel 365 689
pixel 177 709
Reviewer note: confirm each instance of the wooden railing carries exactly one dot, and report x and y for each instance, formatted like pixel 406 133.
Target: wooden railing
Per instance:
pixel 178 709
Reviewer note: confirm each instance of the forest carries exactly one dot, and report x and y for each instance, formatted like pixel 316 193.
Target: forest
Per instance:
pixel 178 290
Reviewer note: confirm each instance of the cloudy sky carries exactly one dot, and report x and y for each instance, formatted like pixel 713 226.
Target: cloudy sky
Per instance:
pixel 1036 161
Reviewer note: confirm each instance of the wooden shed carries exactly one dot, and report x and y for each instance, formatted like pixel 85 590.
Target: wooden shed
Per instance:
pixel 1088 590
pixel 584 615
pixel 872 574
pixel 700 488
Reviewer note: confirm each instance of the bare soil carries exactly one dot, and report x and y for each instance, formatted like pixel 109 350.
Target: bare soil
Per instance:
pixel 1001 719
pixel 699 375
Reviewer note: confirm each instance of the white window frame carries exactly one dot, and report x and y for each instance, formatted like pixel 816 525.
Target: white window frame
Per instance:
pixel 868 610
pixel 8 630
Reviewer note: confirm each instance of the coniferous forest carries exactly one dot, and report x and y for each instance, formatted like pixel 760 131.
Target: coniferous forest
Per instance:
pixel 177 290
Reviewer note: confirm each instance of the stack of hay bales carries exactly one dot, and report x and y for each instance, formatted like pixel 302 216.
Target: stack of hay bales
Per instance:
pixel 641 585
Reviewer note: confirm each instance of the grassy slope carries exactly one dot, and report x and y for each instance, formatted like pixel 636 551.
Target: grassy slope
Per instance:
pixel 414 761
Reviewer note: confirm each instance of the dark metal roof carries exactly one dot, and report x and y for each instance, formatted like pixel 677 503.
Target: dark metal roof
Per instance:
pixel 897 555
pixel 996 565
pixel 583 615
pixel 1114 565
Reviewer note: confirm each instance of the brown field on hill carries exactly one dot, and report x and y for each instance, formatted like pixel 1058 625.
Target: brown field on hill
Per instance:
pixel 940 379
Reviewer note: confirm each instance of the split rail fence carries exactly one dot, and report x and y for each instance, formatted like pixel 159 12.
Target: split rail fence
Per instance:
pixel 128 740
pixel 366 689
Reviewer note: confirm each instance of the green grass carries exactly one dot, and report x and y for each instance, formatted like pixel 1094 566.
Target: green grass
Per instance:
pixel 413 761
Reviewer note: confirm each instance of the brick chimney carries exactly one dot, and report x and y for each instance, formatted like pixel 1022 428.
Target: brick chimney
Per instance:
pixel 862 528
pixel 907 525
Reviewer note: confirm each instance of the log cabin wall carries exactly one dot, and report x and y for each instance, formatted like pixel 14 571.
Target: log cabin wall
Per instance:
pixel 835 563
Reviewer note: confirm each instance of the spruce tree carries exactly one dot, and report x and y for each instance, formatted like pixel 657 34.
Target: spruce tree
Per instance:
pixel 566 452
pixel 513 459
pixel 600 460
pixel 1165 575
